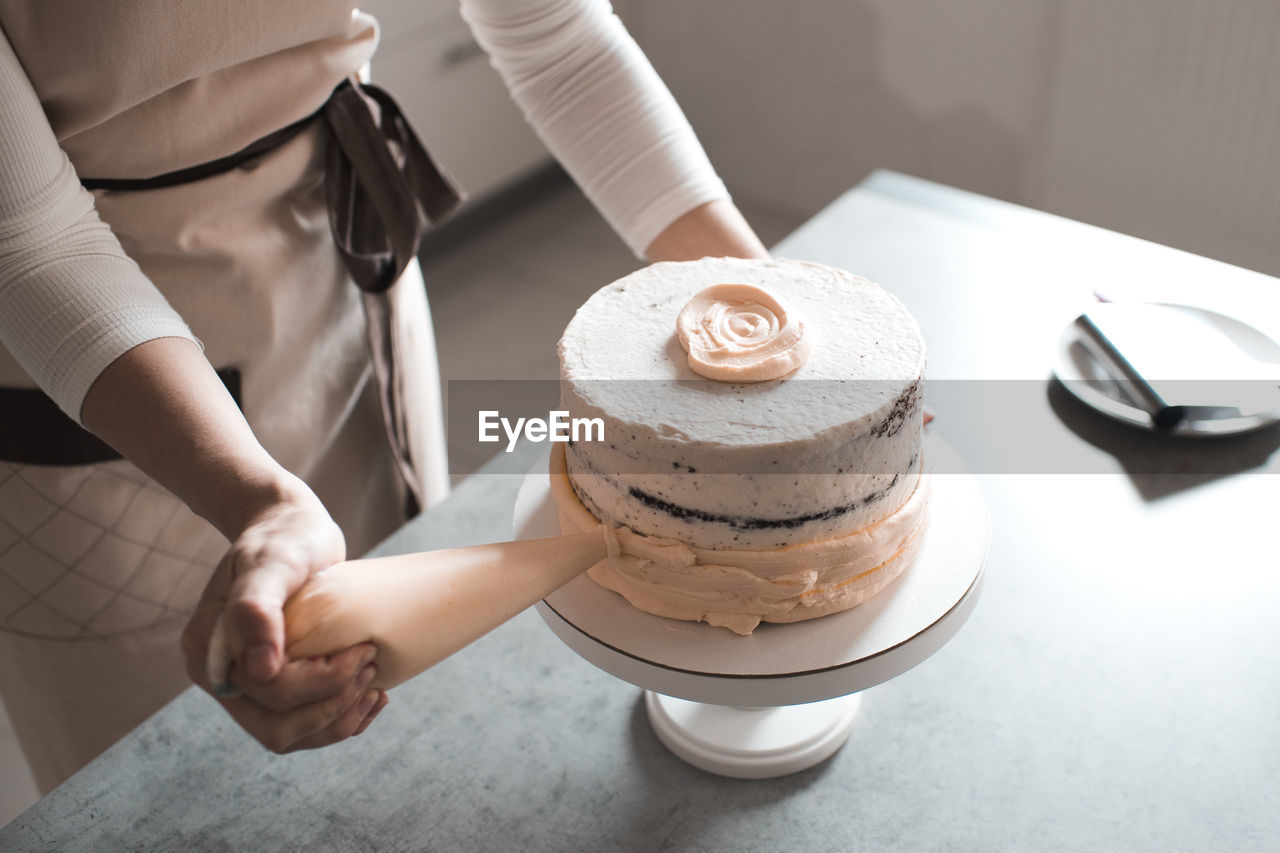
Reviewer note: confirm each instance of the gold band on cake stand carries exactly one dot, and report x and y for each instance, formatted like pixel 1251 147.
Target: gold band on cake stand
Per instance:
pixel 784 698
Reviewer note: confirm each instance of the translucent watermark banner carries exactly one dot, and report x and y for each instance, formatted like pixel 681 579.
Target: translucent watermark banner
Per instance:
pixel 808 427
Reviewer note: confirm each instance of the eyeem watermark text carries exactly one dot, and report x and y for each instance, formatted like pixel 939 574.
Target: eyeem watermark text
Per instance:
pixel 557 427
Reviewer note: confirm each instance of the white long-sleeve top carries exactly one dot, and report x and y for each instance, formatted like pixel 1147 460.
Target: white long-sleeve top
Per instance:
pixel 71 300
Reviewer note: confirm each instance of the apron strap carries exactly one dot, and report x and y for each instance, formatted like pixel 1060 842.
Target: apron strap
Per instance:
pixel 382 189
pixel 34 431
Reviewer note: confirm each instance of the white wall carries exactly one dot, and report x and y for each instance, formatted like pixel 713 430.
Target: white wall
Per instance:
pixel 1159 118
pixel 1164 121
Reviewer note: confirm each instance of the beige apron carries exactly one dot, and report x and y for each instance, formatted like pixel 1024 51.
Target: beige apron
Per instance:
pixel 99 566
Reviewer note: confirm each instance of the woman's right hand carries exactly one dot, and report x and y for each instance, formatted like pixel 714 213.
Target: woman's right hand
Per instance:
pixel 286 705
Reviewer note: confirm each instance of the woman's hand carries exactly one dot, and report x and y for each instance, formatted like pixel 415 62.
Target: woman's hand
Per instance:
pixel 163 407
pixel 287 705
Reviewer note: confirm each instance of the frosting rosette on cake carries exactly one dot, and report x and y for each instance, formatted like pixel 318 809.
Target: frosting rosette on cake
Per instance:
pixel 741 333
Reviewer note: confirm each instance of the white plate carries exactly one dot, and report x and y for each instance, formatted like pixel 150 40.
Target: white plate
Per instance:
pixel 1088 379
pixel 782 664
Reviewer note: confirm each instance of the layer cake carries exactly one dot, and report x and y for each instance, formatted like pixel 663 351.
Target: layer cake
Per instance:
pixel 761 443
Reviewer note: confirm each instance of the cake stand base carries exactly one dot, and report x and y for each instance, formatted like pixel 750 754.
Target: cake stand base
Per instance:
pixel 752 743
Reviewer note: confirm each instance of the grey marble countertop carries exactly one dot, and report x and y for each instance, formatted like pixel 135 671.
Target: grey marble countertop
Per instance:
pixel 1116 688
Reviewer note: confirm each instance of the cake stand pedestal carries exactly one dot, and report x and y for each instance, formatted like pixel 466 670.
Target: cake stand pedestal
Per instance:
pixel 752 743
pixel 784 698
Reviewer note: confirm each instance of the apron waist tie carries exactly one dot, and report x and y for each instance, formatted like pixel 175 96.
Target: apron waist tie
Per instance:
pixel 382 190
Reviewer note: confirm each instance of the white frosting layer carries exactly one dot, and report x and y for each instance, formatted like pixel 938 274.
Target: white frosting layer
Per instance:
pixel 828 451
pixel 741 333
pixel 738 589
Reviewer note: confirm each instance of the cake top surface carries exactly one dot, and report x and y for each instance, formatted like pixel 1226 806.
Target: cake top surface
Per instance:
pixel 621 352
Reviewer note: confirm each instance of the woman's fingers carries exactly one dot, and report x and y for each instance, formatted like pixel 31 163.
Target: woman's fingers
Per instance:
pixel 255 611
pixel 270 561
pixel 327 722
pixel 311 725
pixel 301 682
pixel 311 703
pixel 383 699
pixel 351 723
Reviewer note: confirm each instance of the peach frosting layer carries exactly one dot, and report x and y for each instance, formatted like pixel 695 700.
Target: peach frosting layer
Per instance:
pixel 737 589
pixel 741 333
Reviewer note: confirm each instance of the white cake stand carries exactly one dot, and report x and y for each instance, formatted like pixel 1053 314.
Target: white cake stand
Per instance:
pixel 784 698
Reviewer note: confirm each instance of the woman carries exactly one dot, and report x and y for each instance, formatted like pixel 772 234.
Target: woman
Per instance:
pixel 194 312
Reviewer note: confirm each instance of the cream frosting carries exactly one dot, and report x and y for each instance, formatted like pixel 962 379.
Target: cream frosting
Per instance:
pixel 739 588
pixel 741 333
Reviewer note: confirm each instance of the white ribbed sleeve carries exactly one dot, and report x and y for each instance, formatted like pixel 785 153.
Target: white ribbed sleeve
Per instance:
pixel 71 301
pixel 597 103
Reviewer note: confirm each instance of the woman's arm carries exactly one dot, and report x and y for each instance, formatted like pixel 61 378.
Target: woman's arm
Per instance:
pixel 163 407
pixel 93 331
pixel 597 103
pixel 715 229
